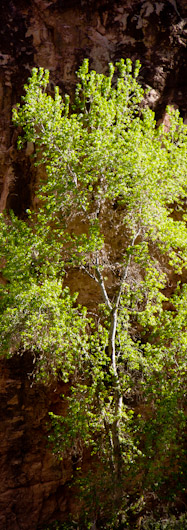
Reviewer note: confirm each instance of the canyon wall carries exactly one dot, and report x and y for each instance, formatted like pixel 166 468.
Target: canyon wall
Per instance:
pixel 58 35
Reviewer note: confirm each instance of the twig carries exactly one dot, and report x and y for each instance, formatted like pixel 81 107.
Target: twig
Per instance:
pixel 99 279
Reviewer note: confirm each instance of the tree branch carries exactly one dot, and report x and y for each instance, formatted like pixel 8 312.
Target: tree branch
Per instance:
pixel 113 326
pixel 102 285
pixel 89 273
pixel 125 272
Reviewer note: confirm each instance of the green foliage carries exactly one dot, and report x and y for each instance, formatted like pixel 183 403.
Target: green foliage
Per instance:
pixel 149 523
pixel 167 523
pixel 112 183
pixel 37 314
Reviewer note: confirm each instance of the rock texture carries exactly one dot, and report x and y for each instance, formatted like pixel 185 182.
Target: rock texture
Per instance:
pixel 32 481
pixel 58 34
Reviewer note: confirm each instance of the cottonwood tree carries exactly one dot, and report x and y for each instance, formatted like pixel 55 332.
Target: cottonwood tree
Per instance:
pixel 107 206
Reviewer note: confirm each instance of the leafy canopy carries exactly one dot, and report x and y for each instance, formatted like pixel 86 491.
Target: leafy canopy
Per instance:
pixel 112 184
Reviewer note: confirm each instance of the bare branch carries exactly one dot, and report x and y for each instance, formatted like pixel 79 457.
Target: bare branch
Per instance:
pixel 103 289
pixel 89 273
pixel 73 175
pixel 125 272
pixel 113 325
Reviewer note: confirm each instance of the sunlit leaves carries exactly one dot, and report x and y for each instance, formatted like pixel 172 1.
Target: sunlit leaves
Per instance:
pixel 114 181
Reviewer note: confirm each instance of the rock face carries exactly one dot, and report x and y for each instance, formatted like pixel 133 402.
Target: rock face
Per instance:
pixel 58 34
pixel 32 481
